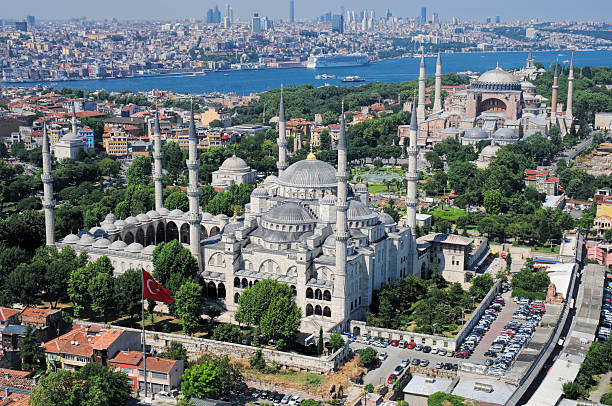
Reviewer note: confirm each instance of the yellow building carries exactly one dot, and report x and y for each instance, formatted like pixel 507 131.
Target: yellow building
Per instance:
pixel 604 209
pixel 116 142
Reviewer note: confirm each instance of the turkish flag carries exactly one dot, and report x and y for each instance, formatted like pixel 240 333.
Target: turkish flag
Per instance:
pixel 153 290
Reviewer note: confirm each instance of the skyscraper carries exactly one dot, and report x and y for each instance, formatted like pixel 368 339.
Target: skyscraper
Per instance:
pixel 291 11
pixel 31 21
pixel 497 19
pixel 256 23
pixel 423 15
pixel 338 23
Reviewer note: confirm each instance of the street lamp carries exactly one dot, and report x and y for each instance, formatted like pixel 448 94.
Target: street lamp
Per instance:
pixel 434 328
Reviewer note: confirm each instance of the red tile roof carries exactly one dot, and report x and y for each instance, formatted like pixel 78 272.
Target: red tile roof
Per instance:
pixel 82 342
pixel 154 364
pixel 6 313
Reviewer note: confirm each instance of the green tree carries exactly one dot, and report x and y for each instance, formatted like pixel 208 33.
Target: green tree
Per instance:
pixel 173 264
pixel 368 356
pixel 175 351
pixel 444 399
pixel 320 342
pixel 177 200
pixel 127 292
pixel 207 193
pixel 139 172
pixel 281 319
pixel 227 332
pixel 109 167
pixel 493 201
pixel 188 303
pixel 213 311
pixel 172 160
pixel 101 290
pixel 201 381
pixel 434 160
pixel 336 341
pixel 25 284
pixel 310 402
pixel 573 390
pixel 32 356
pixel 228 375
pixel 254 302
pixel 378 163
pixel 258 361
pixel 325 141
pixel 60 388
pixel 481 285
pixel 369 388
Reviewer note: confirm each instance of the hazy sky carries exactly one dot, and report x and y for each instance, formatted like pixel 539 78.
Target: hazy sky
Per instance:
pixel 600 10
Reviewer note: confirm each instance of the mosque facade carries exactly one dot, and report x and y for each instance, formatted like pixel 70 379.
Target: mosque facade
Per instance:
pixel 308 227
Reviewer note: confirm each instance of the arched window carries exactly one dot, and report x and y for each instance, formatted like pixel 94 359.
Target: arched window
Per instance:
pixel 269 266
pixel 326 311
pixel 214 231
pixel 212 290
pixel 171 231
pixel 318 294
pixel 129 238
pixel 160 233
pixel 203 233
pixel 294 290
pixel 236 296
pixel 318 310
pixel 309 310
pixel 245 283
pixel 150 238
pixel 140 237
pixel 236 282
pixel 327 295
pixel 221 291
pixel 185 233
pixel 309 294
pixel 216 259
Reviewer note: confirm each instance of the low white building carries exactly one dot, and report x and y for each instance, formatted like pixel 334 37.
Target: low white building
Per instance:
pixel 234 171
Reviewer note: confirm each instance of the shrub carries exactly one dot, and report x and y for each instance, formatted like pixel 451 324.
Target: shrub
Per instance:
pixel 258 361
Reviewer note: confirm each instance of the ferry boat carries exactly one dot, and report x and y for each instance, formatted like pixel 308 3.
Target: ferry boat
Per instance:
pixel 325 76
pixel 352 79
pixel 336 60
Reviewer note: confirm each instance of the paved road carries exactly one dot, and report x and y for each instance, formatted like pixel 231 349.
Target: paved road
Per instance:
pixel 379 375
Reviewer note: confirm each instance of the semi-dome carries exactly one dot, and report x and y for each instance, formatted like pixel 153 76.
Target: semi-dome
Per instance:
pixel 234 163
pixel 289 213
pixel 117 245
pixel 86 239
pixel 359 211
pixel 120 223
pixel 386 219
pixel 329 199
pixel 505 134
pixel 163 211
pixel 153 214
pixel 260 192
pixel 476 133
pixel 207 216
pixel 148 250
pixel 109 227
pixel 361 188
pixel 221 217
pixel 330 241
pixel 134 247
pixel 496 79
pixel 101 243
pixel 143 217
pixel 309 174
pixel 71 238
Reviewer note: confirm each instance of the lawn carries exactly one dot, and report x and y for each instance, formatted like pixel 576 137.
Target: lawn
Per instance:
pixel 373 188
pixel 449 213
pixel 555 249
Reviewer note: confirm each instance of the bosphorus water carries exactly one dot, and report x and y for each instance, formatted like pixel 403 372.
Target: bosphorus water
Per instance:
pixel 244 82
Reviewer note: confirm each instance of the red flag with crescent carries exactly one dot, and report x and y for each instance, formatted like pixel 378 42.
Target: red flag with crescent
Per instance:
pixel 153 290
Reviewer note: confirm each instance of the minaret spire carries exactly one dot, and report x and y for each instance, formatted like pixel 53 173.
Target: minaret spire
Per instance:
pixel 555 90
pixel 342 234
pixel 569 116
pixel 421 106
pixel 438 86
pixel 74 124
pixel 412 178
pixel 193 192
pixel 282 136
pixel 47 180
pixel 157 159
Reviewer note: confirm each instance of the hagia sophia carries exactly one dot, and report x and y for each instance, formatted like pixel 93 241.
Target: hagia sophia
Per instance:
pixel 309 227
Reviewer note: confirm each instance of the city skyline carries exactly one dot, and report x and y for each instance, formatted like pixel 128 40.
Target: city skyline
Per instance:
pixel 157 9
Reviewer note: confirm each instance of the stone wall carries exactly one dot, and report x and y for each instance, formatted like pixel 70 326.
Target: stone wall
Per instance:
pixel 197 346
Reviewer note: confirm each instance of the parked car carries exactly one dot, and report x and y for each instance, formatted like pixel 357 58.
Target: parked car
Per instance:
pixel 382 356
pixel 391 378
pixel 394 343
pixel 415 361
pixel 418 347
pixel 424 362
pixel 411 345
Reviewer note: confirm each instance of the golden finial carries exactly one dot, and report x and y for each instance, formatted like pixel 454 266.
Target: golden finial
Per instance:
pixel 497 67
pixel 342 106
pixel 235 215
pixel 311 156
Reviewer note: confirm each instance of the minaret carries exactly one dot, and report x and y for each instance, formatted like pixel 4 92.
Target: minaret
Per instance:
pixel 157 163
pixel 47 180
pixel 282 137
pixel 421 106
pixel 193 192
pixel 569 115
pixel 412 176
pixel 342 234
pixel 553 103
pixel 438 97
pixel 74 125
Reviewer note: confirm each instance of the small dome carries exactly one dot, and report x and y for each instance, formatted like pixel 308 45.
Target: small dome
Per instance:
pixel 359 211
pixel 329 199
pixel 110 218
pixel 117 245
pixel 148 250
pixel 86 239
pixel 71 238
pixel 289 213
pixel 101 243
pixel 176 213
pixel 386 219
pixel 527 85
pixel 361 188
pixel 120 224
pixel 153 214
pixel 207 216
pixel 97 232
pixel 131 220
pixel 234 163
pixel 134 247
pixel 221 217
pixel 143 218
pixel 505 134
pixel 163 211
pixel 109 227
pixel 330 241
pixel 476 133
pixel 230 228
pixel 270 180
pixel 309 174
pixel 260 192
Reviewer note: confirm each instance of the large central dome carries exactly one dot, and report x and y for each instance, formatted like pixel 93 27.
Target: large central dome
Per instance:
pixel 496 79
pixel 309 174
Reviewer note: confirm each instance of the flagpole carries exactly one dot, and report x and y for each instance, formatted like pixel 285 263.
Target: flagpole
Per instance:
pixel 144 355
